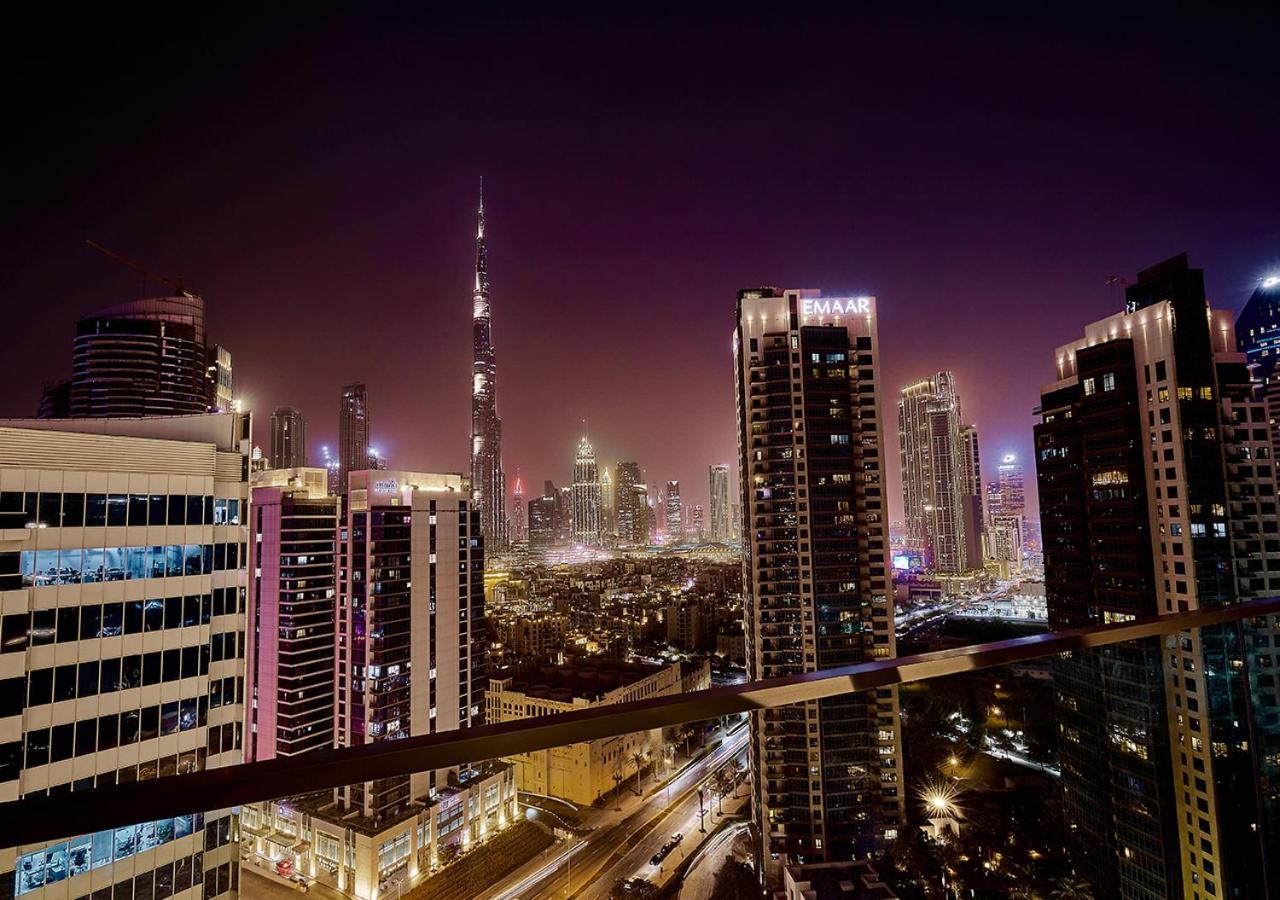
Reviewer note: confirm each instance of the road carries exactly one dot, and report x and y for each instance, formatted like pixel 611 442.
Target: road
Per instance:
pixel 700 880
pixel 590 866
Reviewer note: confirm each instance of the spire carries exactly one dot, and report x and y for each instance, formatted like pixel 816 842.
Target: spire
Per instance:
pixel 482 261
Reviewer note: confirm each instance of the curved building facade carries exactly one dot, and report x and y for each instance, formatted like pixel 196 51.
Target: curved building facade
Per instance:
pixel 143 358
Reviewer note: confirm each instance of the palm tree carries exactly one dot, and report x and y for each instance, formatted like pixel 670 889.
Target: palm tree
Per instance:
pixel 687 733
pixel 735 772
pixel 638 758
pixel 1070 888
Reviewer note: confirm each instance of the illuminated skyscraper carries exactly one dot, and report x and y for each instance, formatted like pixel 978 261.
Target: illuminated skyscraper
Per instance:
pixel 933 459
pixel 586 496
pixel 1258 337
pixel 632 501
pixel 544 520
pixel 826 775
pixel 697 522
pixel 288 438
pixel 674 520
pixel 1010 488
pixel 143 358
pixel 519 513
pixel 488 483
pixel 972 501
pixel 1152 501
pixel 291 620
pixel 608 505
pixel 219 384
pixel 353 433
pixel 123 653
pixel 721 530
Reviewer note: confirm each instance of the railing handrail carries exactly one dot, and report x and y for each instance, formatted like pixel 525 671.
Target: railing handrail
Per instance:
pixel 35 820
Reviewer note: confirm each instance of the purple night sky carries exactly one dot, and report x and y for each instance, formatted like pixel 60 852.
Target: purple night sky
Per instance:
pixel 315 179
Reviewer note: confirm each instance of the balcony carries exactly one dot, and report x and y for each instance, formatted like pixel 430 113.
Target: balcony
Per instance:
pixel 691 784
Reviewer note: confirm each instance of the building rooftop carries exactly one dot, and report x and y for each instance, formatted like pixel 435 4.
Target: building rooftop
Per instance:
pixel 585 679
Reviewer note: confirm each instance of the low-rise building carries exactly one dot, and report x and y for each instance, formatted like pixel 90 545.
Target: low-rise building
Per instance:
pixel 315 837
pixel 847 880
pixel 583 772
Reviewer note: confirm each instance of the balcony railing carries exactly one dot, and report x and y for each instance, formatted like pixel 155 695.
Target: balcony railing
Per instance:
pixel 43 818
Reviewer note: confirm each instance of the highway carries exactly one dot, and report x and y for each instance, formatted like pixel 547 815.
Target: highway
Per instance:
pixel 621 848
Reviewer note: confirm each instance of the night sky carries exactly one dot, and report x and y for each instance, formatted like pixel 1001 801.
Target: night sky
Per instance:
pixel 314 178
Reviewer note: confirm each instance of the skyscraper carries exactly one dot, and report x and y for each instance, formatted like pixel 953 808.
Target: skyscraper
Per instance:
pixel 143 358
pixel 1152 502
pixel 519 512
pixel 288 438
pixel 219 383
pixel 124 627
pixel 697 522
pixel 933 471
pixel 608 505
pixel 674 520
pixel 291 621
pixel 1258 337
pixel 407 658
pixel 1010 488
pixel 488 483
pixel 410 537
pixel 543 520
pixel 826 774
pixel 972 499
pixel 632 503
pixel 353 432
pixel 586 496
pixel 721 530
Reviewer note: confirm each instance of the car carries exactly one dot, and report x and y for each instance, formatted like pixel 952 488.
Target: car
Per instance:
pixel 677 838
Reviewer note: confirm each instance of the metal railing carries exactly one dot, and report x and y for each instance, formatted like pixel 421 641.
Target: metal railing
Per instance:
pixel 43 818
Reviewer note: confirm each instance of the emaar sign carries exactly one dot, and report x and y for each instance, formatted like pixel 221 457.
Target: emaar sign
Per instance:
pixel 836 306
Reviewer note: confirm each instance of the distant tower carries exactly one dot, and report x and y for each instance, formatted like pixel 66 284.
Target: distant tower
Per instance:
pixel 519 512
pixel 675 513
pixel 929 432
pixel 972 501
pixel 288 438
pixel 632 504
pixel 488 485
pixel 608 505
pixel 586 496
pixel 721 530
pixel 353 432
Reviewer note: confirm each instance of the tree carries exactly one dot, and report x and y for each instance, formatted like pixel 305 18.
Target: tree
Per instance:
pixel 1070 888
pixel 735 773
pixel 449 853
pixel 687 733
pixel 638 758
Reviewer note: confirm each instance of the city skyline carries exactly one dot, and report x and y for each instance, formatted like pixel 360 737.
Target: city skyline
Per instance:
pixel 588 266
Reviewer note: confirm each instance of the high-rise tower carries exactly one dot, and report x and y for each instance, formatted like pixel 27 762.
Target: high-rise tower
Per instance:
pixel 488 485
pixel 353 433
pixel 720 513
pixel 1156 496
pixel 931 446
pixel 827 773
pixel 288 438
pixel 586 496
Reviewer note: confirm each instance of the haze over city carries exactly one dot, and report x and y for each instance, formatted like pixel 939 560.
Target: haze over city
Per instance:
pixel 318 185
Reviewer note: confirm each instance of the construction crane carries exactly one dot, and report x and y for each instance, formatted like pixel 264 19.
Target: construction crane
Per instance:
pixel 175 283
